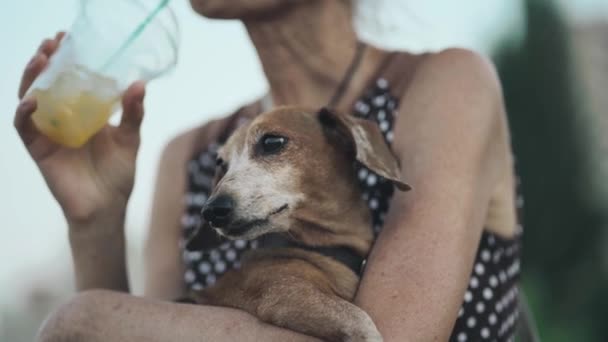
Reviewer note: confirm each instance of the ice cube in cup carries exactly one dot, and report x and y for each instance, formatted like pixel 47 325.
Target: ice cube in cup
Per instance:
pixel 76 106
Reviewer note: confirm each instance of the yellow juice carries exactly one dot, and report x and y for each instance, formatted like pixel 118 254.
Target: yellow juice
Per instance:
pixel 77 105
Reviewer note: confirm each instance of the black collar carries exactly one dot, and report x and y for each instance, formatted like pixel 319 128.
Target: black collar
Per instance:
pixel 345 255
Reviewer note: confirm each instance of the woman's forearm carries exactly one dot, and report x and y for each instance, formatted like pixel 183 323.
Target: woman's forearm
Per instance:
pixel 98 252
pixel 111 316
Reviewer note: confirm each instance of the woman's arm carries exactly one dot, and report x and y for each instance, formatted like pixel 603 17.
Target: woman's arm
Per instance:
pixel 92 183
pixel 98 252
pixel 452 141
pixel 100 315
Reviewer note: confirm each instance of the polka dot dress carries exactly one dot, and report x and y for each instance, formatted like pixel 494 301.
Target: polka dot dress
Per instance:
pixel 489 309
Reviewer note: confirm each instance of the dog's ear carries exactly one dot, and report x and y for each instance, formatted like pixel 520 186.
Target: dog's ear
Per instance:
pixel 370 148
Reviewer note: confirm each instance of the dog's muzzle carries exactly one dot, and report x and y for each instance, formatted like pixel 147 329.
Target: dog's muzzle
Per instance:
pixel 219 211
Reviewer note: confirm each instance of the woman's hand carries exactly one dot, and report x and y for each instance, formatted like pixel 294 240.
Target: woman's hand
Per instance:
pixel 96 179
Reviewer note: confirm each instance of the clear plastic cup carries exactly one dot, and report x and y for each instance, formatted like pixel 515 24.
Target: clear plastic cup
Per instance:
pixel 110 45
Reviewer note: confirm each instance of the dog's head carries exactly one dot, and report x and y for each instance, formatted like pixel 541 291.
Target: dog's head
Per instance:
pixel 292 170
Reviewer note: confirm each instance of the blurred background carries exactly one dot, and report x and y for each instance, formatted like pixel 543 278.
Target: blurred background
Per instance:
pixel 552 57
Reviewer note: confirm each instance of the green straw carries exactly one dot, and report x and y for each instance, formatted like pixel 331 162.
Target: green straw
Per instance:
pixel 138 30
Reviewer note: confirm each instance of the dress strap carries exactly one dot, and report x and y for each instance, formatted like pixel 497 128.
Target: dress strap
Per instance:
pixel 400 70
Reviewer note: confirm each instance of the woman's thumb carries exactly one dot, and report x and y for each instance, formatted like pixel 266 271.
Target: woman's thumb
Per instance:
pixel 133 108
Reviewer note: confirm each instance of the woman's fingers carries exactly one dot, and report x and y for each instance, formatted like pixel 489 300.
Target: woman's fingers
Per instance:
pixel 133 108
pixel 59 36
pixel 32 70
pixel 39 62
pixel 38 145
pixel 23 122
pixel 49 46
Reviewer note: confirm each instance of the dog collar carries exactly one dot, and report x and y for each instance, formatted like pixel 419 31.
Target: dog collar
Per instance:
pixel 345 255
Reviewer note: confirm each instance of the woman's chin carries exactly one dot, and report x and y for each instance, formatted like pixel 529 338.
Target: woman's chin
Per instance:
pixel 236 9
pixel 212 9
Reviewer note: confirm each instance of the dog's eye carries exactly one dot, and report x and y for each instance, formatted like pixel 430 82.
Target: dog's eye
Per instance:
pixel 221 165
pixel 271 144
pixel 220 170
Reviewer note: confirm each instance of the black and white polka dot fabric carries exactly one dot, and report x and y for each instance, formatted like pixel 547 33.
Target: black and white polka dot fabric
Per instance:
pixel 489 309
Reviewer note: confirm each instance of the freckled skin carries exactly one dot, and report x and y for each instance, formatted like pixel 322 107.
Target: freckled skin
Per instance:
pixel 313 177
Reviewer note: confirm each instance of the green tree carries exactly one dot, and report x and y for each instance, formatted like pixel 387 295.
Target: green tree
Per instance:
pixel 562 243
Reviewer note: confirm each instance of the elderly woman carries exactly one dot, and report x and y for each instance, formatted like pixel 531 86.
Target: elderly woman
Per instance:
pixel 445 264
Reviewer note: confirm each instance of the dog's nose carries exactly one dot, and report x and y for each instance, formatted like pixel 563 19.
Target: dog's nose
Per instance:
pixel 218 211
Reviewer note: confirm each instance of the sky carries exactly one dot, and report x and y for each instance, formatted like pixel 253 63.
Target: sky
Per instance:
pixel 217 71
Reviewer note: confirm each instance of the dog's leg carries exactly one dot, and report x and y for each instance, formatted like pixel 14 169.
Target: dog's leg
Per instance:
pixel 305 308
pixel 200 297
pixel 293 295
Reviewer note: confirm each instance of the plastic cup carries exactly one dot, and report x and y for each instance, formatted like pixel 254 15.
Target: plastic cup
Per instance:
pixel 110 45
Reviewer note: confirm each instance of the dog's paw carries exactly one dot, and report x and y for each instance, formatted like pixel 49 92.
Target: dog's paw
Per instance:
pixel 364 330
pixel 199 297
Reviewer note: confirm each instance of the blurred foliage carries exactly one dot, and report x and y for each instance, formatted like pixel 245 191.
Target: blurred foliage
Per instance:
pixel 564 239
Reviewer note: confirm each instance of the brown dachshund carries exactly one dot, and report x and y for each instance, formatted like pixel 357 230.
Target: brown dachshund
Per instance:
pixel 289 179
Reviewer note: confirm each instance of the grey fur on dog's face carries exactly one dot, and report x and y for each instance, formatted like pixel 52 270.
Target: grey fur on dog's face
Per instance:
pixel 292 170
pixel 263 187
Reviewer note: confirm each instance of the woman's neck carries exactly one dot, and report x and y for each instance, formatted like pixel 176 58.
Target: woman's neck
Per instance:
pixel 305 51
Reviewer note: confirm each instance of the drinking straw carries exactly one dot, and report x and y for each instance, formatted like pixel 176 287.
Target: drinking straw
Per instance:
pixel 136 32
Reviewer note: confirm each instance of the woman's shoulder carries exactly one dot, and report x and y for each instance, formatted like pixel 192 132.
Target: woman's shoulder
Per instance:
pixel 455 100
pixel 446 70
pixel 459 81
pixel 457 68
